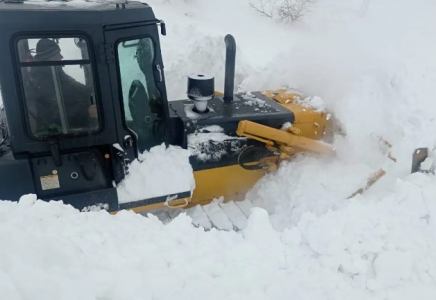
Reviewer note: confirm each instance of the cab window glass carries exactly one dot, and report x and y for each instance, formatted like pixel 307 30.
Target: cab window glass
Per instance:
pixel 58 86
pixel 141 98
pixel 71 49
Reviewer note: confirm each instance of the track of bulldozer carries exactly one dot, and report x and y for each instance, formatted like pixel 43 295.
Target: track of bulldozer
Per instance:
pixel 232 215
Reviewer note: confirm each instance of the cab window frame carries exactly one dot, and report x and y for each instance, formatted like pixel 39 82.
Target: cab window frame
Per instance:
pixel 91 61
pixel 116 44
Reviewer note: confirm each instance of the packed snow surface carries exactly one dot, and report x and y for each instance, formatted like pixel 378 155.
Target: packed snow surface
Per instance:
pixel 370 248
pixel 373 65
pixel 161 171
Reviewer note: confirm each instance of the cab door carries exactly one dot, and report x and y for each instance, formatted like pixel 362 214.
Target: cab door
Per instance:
pixel 137 79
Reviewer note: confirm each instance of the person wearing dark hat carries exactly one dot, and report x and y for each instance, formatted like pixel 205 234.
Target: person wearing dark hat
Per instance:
pixel 47 50
pixel 76 97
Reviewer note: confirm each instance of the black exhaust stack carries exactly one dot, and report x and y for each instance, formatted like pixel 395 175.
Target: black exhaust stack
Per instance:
pixel 229 80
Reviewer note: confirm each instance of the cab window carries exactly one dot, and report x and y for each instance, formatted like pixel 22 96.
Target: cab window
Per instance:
pixel 58 86
pixel 141 98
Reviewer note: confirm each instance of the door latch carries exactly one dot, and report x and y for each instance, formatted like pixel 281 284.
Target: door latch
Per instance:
pixel 159 69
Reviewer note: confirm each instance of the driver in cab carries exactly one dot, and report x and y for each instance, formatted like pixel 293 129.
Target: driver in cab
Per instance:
pixel 50 85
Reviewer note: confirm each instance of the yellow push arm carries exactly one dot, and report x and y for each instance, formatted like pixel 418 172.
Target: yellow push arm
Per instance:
pixel 267 134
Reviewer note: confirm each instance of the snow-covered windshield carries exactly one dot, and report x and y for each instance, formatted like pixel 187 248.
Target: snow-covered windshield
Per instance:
pixel 58 86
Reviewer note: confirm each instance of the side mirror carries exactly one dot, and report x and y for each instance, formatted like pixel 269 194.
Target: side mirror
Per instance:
pixel 163 28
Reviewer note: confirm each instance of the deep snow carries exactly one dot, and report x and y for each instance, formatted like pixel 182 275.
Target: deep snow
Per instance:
pixel 371 248
pixel 373 65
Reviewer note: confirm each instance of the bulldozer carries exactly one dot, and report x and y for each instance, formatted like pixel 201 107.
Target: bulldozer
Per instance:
pixel 84 94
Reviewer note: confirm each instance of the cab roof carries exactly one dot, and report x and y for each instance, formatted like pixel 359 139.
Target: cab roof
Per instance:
pixel 12 12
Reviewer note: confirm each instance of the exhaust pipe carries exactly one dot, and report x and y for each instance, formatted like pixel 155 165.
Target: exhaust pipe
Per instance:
pixel 229 80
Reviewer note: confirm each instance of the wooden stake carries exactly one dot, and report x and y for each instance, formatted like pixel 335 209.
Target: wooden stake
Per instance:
pixel 373 178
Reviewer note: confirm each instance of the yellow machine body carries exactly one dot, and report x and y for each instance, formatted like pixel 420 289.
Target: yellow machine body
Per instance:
pixel 233 182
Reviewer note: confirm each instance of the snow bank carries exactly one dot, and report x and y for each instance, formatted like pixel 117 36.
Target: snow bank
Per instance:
pixel 307 185
pixel 159 172
pixel 195 41
pixel 362 58
pixel 368 62
pixel 370 248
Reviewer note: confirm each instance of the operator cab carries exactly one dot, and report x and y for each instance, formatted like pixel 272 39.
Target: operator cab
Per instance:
pixel 67 71
pixel 84 93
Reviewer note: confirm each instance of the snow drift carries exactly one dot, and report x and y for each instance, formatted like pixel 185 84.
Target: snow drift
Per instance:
pixel 371 248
